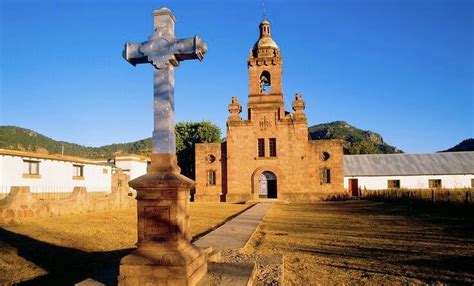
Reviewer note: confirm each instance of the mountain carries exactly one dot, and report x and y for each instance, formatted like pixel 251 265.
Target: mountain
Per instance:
pixel 465 145
pixel 357 141
pixel 16 138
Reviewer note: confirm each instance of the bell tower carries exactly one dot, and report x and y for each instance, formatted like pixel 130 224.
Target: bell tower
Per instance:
pixel 265 74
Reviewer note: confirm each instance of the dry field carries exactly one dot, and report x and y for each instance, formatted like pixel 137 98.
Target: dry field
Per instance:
pixel 360 242
pixel 69 248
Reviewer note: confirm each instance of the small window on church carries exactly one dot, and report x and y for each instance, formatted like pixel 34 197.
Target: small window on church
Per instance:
pixel 261 147
pixel 265 82
pixel 273 150
pixel 325 156
pixel 211 158
pixel 211 177
pixel 325 176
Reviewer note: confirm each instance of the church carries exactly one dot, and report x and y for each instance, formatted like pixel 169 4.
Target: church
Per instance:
pixel 269 154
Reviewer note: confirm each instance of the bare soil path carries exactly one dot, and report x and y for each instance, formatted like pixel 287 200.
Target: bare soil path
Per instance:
pixel 235 233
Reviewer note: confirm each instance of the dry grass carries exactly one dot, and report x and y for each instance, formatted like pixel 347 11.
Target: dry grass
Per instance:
pixel 85 237
pixel 14 267
pixel 436 196
pixel 367 242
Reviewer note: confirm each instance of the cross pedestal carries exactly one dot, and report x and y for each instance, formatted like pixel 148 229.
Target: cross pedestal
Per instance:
pixel 164 254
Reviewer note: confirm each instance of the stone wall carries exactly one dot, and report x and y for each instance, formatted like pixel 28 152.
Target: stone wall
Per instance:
pixel 208 158
pixel 21 203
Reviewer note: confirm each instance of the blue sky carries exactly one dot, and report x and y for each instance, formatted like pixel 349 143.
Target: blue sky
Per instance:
pixel 404 69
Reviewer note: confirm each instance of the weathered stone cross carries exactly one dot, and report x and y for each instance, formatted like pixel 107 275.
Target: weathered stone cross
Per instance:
pixel 164 51
pixel 164 254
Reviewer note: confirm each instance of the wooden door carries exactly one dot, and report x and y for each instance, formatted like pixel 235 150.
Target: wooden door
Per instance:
pixel 354 187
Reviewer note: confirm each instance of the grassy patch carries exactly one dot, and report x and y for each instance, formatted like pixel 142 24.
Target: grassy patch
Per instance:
pixel 367 242
pixel 46 245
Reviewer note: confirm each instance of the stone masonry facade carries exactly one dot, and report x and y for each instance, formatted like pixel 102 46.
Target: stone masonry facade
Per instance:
pixel 269 154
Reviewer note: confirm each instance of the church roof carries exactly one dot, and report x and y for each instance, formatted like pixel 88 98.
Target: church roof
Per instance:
pixel 447 163
pixel 265 42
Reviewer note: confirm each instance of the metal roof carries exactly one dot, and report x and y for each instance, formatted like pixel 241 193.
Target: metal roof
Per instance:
pixel 409 164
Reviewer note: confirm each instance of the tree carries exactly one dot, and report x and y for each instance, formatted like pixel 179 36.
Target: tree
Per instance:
pixel 187 135
pixel 363 147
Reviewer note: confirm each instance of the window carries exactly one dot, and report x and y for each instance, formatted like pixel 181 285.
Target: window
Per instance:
pixel 211 158
pixel 77 171
pixel 325 156
pixel 211 177
pixel 273 150
pixel 261 147
pixel 393 184
pixel 31 167
pixel 325 176
pixel 435 183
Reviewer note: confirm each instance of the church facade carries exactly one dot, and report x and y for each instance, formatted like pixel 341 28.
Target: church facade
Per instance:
pixel 269 154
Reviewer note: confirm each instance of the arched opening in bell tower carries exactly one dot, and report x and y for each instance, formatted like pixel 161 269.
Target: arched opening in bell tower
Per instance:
pixel 265 82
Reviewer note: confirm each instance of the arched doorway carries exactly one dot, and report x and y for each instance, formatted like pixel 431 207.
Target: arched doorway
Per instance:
pixel 267 185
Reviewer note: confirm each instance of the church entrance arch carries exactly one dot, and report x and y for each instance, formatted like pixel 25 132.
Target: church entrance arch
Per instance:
pixel 267 185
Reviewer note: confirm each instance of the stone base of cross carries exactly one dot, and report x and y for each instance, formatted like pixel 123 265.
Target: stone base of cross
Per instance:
pixel 164 254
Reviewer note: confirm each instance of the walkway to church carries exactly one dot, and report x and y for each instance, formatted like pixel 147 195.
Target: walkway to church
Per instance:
pixel 235 233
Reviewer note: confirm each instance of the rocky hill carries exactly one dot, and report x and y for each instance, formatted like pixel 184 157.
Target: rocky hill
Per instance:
pixel 15 138
pixel 465 145
pixel 357 141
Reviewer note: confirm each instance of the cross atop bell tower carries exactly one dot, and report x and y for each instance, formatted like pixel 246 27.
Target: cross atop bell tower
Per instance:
pixel 265 75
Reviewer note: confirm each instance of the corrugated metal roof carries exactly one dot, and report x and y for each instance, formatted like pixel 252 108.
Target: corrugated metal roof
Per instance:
pixel 409 164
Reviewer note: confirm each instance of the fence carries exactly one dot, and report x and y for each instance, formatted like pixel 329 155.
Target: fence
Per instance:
pixel 56 193
pixel 434 196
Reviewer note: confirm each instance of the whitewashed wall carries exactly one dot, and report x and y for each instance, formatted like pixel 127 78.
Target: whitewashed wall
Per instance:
pixel 54 174
pixel 132 168
pixel 411 182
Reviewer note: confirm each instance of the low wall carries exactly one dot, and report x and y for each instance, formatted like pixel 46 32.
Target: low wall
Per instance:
pixel 435 196
pixel 20 203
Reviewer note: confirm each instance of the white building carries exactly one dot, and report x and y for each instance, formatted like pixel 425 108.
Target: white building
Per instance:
pixel 408 171
pixel 52 173
pixel 132 164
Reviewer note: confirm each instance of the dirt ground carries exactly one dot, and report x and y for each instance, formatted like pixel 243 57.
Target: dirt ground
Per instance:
pixel 361 242
pixel 69 248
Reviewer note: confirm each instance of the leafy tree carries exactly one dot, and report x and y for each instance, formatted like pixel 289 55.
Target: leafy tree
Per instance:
pixel 187 135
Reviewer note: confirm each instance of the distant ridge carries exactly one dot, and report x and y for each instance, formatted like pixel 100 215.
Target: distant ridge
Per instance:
pixel 357 141
pixel 16 138
pixel 465 145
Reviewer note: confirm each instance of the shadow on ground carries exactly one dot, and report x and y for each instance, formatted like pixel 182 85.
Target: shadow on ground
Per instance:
pixel 65 266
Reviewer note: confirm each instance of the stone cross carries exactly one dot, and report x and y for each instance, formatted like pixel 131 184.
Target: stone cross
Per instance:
pixel 164 51
pixel 164 254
